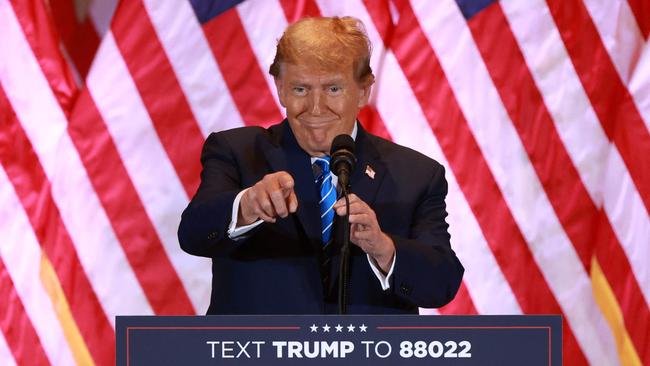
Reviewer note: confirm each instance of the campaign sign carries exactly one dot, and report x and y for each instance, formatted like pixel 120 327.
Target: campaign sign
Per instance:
pixel 340 340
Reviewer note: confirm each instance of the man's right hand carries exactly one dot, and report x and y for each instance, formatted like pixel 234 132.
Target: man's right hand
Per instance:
pixel 269 198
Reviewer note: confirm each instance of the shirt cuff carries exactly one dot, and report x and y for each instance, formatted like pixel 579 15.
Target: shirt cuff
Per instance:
pixel 235 232
pixel 384 280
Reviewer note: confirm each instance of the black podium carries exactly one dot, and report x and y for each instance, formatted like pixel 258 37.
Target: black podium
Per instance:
pixel 340 340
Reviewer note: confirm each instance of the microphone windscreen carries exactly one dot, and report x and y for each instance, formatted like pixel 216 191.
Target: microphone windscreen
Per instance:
pixel 342 142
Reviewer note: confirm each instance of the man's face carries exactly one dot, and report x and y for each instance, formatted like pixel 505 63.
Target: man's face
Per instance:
pixel 320 104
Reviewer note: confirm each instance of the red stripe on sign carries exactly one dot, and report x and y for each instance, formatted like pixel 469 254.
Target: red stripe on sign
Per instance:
pixel 39 31
pixel 609 97
pixel 160 91
pixel 33 189
pixel 298 9
pixel 429 84
pixel 641 10
pixel 462 304
pixel 241 72
pixel 127 214
pixel 16 326
pixel 372 122
pixel 79 36
pixel 579 215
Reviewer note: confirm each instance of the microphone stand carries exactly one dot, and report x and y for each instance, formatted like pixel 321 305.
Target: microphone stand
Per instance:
pixel 344 270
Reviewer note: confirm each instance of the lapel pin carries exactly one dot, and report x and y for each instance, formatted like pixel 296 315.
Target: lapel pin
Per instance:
pixel 370 172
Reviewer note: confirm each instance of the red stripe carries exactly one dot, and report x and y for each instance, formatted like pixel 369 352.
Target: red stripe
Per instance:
pixel 535 127
pixel 240 69
pixel 160 91
pixel 127 214
pixel 579 215
pixel 33 189
pixel 616 269
pixel 16 326
pixel 372 122
pixel 609 97
pixel 298 9
pixel 462 304
pixel 380 13
pixel 428 82
pixel 79 37
pixel 39 31
pixel 123 206
pixel 641 10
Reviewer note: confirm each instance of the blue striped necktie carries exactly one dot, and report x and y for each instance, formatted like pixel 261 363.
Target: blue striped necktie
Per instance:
pixel 327 198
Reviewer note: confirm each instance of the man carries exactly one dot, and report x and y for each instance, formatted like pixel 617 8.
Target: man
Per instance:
pixel 265 210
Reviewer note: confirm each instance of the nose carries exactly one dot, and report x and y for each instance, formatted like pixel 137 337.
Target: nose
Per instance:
pixel 317 103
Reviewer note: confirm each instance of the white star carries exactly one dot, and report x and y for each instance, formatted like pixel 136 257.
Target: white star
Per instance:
pixel 326 328
pixel 350 328
pixel 313 328
pixel 363 328
pixel 339 328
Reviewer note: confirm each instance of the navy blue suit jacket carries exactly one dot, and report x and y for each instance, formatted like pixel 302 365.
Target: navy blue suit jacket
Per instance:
pixel 275 268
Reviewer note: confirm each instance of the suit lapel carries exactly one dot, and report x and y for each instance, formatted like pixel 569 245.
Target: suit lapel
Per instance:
pixel 286 155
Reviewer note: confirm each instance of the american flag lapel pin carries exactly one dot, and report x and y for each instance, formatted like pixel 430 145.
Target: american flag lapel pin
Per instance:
pixel 370 172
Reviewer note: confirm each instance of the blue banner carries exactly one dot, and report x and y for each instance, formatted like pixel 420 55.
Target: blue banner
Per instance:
pixel 340 340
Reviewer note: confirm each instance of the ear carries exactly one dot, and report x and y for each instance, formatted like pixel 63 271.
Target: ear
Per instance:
pixel 279 87
pixel 366 88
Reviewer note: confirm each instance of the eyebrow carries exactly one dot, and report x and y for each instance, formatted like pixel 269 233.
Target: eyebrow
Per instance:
pixel 330 82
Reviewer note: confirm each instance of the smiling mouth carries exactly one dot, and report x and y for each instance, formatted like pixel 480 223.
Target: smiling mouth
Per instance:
pixel 317 123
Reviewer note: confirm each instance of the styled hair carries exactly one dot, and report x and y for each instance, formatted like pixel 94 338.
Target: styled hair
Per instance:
pixel 329 43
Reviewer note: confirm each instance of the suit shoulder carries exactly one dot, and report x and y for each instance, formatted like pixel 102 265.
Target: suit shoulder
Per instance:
pixel 239 134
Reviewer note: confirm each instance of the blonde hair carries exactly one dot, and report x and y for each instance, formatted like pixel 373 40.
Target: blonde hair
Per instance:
pixel 329 43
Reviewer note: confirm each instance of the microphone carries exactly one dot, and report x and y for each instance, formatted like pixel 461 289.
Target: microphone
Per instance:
pixel 342 159
pixel 342 163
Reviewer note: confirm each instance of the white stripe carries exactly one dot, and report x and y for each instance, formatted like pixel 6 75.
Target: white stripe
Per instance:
pixel 6 358
pixel 21 254
pixel 45 124
pixel 448 33
pixel 396 104
pixel 157 185
pixel 327 227
pixel 599 164
pixel 195 68
pixel 328 210
pixel 323 160
pixel 330 176
pixel 620 33
pixel 264 23
pixel 327 194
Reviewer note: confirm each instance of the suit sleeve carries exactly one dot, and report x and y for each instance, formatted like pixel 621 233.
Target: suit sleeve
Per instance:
pixel 203 230
pixel 427 272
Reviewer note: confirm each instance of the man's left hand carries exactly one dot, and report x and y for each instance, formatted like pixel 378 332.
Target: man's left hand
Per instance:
pixel 366 233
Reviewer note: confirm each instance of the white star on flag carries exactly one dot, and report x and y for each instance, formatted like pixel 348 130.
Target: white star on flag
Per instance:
pixel 313 328
pixel 326 328
pixel 339 328
pixel 350 328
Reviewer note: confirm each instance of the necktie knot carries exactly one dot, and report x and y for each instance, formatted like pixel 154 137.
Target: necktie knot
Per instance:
pixel 322 167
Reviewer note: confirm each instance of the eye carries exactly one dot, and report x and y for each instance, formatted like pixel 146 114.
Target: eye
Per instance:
pixel 299 90
pixel 334 89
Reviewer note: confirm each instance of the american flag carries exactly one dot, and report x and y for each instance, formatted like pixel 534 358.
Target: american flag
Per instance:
pixel 540 110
